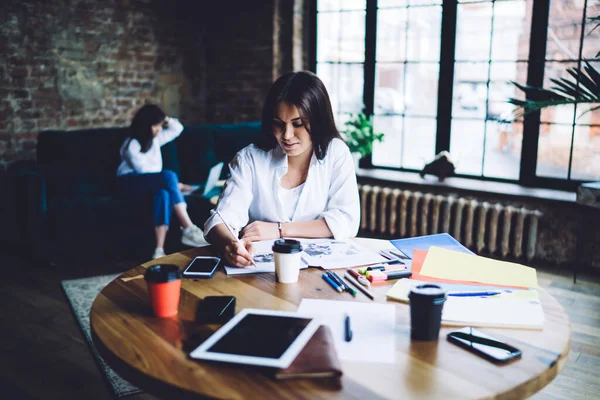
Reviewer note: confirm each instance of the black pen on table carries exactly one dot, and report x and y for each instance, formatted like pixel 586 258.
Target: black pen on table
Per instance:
pixel 340 282
pixel 347 330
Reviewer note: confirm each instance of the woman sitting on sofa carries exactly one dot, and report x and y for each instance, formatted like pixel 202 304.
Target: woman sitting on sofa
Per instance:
pixel 140 172
pixel 298 182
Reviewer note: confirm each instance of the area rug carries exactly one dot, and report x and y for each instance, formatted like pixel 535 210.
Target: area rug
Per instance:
pixel 81 293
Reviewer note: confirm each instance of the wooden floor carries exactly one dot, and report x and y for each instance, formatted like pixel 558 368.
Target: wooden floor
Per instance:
pixel 43 354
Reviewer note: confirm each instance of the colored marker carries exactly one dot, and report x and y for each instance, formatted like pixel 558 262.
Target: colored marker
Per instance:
pixel 334 285
pixel 360 278
pixel 379 276
pixel 386 267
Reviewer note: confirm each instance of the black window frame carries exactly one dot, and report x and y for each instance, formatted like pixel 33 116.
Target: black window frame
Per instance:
pixel 535 77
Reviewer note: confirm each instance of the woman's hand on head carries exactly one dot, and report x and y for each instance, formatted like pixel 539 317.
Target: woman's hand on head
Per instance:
pixel 259 230
pixel 238 254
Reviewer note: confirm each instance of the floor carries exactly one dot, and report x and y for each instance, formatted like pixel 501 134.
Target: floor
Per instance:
pixel 44 356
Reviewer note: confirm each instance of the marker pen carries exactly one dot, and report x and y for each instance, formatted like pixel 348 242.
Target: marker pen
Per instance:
pixel 386 267
pixel 380 276
pixel 360 278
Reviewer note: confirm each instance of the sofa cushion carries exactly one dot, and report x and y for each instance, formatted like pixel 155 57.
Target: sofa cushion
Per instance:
pixel 195 147
pixel 81 161
pixel 231 138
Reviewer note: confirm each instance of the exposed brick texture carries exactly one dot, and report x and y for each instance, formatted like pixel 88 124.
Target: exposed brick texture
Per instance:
pixel 72 64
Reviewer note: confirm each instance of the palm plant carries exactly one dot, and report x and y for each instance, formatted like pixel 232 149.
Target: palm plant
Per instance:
pixel 582 87
pixel 360 135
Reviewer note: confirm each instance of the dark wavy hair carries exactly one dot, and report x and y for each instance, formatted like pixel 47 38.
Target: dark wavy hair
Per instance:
pixel 141 125
pixel 307 92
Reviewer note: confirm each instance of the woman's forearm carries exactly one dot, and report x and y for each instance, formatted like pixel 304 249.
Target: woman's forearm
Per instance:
pixel 307 229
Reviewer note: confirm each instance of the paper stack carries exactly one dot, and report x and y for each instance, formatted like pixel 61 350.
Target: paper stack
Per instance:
pixel 518 305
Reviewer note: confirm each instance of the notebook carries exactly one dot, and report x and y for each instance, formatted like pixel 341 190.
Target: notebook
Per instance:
pixel 318 359
pixel 207 190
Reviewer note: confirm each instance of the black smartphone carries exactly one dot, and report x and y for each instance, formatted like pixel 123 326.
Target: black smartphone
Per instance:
pixel 215 309
pixel 202 267
pixel 483 345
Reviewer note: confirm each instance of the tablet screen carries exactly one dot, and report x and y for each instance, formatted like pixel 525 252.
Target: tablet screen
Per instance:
pixel 265 336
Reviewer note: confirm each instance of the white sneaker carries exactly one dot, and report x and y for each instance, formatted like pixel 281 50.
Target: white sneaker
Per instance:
pixel 158 253
pixel 193 236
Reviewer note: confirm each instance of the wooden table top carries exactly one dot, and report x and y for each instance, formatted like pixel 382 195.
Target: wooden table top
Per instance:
pixel 152 353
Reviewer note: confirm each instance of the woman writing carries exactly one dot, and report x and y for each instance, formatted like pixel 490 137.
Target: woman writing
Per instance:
pixel 140 172
pixel 299 181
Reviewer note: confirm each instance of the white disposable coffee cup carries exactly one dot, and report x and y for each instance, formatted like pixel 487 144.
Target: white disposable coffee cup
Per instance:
pixel 287 254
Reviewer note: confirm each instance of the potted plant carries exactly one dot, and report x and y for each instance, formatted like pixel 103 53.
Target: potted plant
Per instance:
pixel 360 135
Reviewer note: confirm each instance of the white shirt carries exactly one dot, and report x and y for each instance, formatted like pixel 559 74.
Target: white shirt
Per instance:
pixel 289 199
pixel 132 158
pixel 330 190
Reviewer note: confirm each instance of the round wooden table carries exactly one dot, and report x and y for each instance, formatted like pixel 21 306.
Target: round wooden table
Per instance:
pixel 152 353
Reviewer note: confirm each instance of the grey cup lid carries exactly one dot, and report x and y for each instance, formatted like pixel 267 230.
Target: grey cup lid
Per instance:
pixel 288 246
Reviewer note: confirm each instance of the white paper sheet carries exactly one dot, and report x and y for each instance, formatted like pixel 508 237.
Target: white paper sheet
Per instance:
pixel 333 254
pixel 263 258
pixel 373 328
pixel 501 311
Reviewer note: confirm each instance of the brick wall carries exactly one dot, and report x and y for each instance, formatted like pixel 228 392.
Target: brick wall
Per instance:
pixel 71 64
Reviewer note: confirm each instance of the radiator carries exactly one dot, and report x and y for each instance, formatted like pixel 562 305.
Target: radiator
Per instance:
pixel 495 229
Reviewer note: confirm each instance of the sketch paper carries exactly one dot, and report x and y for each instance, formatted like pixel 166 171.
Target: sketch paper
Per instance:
pixel 263 258
pixel 332 254
pixel 373 328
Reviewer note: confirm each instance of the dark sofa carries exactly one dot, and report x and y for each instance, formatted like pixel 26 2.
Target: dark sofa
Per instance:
pixel 72 211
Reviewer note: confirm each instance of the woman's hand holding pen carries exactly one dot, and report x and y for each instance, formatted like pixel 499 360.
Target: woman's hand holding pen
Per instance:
pixel 238 253
pixel 260 230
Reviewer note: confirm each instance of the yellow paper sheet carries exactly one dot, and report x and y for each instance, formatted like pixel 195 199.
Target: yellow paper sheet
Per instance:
pixel 448 264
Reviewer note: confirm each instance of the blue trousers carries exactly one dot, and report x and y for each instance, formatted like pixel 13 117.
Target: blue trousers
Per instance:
pixel 163 186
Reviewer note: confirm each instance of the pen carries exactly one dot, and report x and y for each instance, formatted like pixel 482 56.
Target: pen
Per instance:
pixel 334 285
pixel 347 330
pixel 353 281
pixel 336 278
pixel 233 233
pixel 474 294
pixel 386 267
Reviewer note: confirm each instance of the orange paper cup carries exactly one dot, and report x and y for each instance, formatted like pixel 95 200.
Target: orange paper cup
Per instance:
pixel 164 288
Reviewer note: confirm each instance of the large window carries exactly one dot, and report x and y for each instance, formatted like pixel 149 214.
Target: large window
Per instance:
pixel 437 75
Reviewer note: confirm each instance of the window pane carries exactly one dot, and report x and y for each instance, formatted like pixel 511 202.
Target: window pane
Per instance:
pixel 503 149
pixel 341 36
pixel 564 29
pixel 554 146
pixel 586 150
pixel 424 33
pixel 591 40
pixel 424 2
pixel 501 88
pixel 391 3
pixel 512 24
pixel 336 5
pixel 470 88
pixel 344 83
pixel 389 89
pixel 559 114
pixel 388 153
pixel 391 35
pixel 422 89
pixel 473 31
pixel 419 142
pixel 466 146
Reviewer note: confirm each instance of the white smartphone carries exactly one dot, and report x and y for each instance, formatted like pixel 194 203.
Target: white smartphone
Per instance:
pixel 202 267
